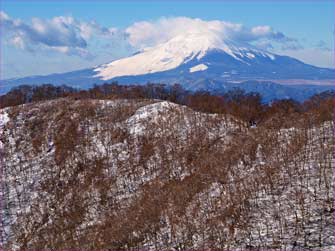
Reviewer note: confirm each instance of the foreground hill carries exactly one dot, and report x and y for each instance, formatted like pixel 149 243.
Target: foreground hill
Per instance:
pixel 124 174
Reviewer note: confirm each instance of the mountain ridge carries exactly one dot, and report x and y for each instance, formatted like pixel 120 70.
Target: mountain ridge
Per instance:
pixel 188 59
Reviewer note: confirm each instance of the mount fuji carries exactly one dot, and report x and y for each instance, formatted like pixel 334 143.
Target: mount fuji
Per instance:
pixel 197 61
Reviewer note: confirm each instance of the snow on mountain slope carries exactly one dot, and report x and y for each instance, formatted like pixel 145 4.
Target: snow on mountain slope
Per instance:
pixel 169 116
pixel 199 67
pixel 179 50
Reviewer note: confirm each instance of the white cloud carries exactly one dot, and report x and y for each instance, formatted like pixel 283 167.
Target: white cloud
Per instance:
pixel 313 56
pixel 63 34
pixel 261 30
pixel 67 35
pixel 322 45
pixel 3 16
pixel 18 42
pixel 145 34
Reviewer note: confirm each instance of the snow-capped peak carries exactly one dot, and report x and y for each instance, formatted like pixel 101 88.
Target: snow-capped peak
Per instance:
pixel 171 54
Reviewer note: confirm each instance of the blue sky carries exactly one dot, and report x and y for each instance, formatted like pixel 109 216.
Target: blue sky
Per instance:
pixel 303 29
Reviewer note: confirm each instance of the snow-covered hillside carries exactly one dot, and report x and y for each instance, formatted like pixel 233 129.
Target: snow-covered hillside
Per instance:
pixel 125 174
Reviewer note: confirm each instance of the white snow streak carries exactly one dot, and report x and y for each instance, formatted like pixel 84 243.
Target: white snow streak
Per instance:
pixel 199 67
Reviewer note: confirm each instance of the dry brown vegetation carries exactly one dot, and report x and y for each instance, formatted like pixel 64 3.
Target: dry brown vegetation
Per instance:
pixel 129 174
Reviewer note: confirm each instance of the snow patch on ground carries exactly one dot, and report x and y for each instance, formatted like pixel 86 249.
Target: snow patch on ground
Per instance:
pixel 4 118
pixel 250 55
pixel 199 67
pixel 147 113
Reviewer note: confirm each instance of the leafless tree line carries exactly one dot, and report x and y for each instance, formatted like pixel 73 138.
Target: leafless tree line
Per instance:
pixel 77 176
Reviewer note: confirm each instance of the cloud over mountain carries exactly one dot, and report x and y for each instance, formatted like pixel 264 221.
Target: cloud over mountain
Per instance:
pixel 65 34
pixel 143 34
